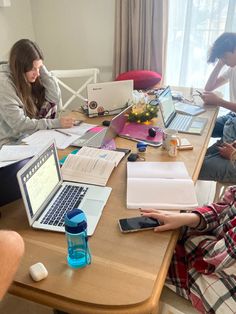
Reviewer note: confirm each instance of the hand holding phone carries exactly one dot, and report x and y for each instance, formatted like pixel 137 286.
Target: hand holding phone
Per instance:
pixel 137 224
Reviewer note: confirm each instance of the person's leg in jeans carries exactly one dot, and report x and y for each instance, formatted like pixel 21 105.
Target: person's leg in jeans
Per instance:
pixel 9 188
pixel 217 168
pixel 219 125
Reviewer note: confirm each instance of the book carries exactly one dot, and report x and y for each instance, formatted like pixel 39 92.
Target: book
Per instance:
pixel 91 165
pixel 160 185
pixel 188 109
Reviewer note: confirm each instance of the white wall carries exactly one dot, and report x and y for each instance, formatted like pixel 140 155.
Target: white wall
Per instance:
pixel 15 23
pixel 76 33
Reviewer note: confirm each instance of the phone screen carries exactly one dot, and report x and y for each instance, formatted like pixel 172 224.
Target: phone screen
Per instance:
pixel 137 224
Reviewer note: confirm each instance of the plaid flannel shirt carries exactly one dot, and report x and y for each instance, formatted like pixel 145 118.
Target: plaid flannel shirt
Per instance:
pixel 203 268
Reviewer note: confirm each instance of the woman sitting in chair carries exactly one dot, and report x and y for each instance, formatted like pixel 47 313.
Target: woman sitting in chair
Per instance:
pixel 203 267
pixel 29 99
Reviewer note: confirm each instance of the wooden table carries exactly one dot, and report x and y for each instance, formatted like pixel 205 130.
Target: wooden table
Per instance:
pixel 127 272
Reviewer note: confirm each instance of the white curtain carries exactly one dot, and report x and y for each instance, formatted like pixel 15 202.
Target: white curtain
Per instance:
pixel 193 27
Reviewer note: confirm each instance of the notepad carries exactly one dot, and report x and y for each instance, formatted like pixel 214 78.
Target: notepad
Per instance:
pixel 160 185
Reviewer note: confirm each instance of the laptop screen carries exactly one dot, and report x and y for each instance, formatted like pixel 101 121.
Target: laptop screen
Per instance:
pixel 40 178
pixel 167 106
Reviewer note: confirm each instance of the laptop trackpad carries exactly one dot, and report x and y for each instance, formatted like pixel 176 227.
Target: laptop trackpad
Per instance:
pixel 92 207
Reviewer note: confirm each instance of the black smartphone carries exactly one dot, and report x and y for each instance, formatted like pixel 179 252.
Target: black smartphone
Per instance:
pixel 137 224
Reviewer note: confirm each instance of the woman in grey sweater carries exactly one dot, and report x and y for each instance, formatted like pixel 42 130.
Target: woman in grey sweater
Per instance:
pixel 29 100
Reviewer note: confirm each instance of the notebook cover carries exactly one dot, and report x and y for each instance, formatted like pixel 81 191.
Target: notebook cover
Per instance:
pixel 138 131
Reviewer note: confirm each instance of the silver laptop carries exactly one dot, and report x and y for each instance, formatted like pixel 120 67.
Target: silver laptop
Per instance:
pixel 47 198
pixel 103 137
pixel 108 98
pixel 180 122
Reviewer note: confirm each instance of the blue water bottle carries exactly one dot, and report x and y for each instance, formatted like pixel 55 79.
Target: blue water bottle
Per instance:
pixel 77 240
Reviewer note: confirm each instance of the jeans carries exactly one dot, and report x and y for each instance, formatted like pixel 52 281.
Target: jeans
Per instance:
pixel 9 188
pixel 215 167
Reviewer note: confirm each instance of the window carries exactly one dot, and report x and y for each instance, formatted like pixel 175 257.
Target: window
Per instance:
pixel 193 27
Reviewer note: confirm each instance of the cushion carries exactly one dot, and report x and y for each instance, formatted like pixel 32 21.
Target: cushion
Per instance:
pixel 143 79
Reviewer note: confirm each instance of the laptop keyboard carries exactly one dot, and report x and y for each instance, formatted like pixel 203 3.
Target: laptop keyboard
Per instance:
pixel 70 197
pixel 180 122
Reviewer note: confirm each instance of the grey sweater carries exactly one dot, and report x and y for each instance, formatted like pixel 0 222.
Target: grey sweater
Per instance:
pixel 14 123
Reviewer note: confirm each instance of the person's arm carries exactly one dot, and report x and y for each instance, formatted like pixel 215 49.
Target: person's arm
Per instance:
pixel 12 249
pixel 52 89
pixel 173 220
pixel 15 119
pixel 210 98
pixel 215 80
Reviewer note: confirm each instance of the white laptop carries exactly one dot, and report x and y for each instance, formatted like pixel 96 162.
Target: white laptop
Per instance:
pixel 180 122
pixel 47 198
pixel 108 98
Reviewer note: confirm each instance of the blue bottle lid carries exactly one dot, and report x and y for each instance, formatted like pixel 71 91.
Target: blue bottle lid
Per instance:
pixel 141 146
pixel 75 221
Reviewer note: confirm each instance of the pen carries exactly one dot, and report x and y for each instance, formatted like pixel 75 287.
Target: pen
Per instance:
pixel 59 131
pixel 78 122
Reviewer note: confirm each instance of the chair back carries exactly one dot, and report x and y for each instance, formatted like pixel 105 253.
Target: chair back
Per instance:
pixel 87 75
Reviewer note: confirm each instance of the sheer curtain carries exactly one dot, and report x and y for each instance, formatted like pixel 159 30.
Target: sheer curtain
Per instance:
pixel 140 35
pixel 193 27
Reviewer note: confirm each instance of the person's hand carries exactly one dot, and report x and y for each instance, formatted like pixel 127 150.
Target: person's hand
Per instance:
pixel 171 220
pixel 226 150
pixel 210 98
pixel 67 122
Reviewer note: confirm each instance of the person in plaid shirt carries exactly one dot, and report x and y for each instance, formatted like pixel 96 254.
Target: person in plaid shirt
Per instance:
pixel 203 268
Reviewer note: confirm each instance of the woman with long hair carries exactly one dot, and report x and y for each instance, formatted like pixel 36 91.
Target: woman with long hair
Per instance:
pixel 29 100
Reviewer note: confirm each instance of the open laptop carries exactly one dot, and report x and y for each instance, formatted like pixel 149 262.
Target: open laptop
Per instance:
pixel 47 198
pixel 108 98
pixel 180 122
pixel 105 135
pixel 119 126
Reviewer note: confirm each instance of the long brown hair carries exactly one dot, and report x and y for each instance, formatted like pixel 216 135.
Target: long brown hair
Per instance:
pixel 22 55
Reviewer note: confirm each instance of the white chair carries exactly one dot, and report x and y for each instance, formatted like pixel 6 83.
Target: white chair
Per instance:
pixel 88 76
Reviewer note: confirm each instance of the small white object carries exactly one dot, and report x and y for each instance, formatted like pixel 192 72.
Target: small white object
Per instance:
pixel 38 271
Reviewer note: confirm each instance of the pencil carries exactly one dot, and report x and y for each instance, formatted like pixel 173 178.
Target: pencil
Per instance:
pixel 59 131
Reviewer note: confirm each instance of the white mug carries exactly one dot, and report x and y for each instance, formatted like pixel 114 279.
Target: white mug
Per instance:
pixel 167 135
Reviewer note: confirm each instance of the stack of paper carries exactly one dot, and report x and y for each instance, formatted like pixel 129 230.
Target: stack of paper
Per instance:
pixel 62 137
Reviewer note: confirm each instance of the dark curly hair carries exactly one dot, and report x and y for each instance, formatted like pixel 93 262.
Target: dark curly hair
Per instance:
pixel 225 43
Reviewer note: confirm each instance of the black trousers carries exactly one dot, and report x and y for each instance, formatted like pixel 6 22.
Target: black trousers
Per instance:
pixel 9 188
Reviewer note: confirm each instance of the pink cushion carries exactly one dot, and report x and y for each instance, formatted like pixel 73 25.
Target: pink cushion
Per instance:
pixel 143 79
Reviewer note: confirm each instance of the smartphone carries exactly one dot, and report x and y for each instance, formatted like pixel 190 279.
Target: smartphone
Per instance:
pixel 198 92
pixel 137 224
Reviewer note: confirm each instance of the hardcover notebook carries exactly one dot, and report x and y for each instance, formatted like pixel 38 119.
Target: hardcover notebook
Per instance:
pixel 159 185
pixel 180 122
pixel 47 198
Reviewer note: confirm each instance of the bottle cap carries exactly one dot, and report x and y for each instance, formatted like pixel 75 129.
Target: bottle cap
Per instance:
pixel 75 221
pixel 141 146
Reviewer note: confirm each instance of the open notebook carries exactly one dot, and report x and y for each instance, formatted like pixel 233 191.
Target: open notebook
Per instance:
pixel 160 185
pixel 47 198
